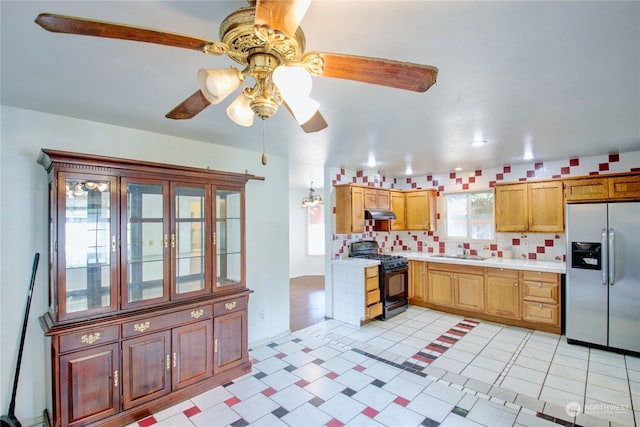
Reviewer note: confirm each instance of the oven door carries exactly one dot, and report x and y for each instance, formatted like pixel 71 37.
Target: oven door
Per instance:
pixel 394 285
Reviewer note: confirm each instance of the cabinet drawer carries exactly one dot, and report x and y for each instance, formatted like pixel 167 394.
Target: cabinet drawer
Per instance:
pixel 371 272
pixel 540 313
pixel 541 291
pixel 502 272
pixel 372 284
pixel 88 337
pixel 373 310
pixel 229 306
pixel 539 276
pixel 165 321
pixel 373 297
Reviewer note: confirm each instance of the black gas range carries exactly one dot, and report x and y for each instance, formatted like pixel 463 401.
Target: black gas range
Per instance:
pixel 393 276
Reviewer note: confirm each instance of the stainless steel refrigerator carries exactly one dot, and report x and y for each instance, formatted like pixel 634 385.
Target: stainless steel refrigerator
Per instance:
pixel 603 274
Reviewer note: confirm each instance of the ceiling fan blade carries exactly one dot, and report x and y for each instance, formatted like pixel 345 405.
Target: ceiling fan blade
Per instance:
pixel 314 124
pixel 190 107
pixel 385 72
pixel 281 15
pixel 87 27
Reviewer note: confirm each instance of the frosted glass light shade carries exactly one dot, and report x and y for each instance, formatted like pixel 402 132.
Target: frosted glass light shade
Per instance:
pixel 303 109
pixel 240 110
pixel 217 84
pixel 292 81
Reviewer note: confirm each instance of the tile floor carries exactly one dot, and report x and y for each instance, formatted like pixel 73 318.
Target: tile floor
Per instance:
pixel 420 368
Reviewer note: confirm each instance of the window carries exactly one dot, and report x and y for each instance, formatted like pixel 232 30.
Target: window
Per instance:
pixel 470 215
pixel 315 229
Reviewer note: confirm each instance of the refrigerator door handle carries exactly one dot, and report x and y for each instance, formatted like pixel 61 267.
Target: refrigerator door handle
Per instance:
pixel 605 265
pixel 612 258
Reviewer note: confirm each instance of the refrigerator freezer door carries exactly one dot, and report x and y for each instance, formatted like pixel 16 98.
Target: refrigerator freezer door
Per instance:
pixel 624 270
pixel 586 305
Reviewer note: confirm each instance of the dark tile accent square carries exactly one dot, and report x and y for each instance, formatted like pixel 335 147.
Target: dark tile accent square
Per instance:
pixel 428 422
pixel 316 401
pixel 348 392
pixel 378 383
pixel 258 376
pixel 318 361
pixel 296 340
pixel 290 368
pixel 280 412
pixel 460 411
pixel 411 366
pixel 272 345
pixel 228 384
pixel 239 423
pixel 546 417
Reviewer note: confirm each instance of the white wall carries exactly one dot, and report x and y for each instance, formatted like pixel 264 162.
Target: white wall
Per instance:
pixel 301 264
pixel 24 222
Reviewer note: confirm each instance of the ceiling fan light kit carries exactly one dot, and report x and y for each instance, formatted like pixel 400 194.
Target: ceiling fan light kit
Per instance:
pixel 267 41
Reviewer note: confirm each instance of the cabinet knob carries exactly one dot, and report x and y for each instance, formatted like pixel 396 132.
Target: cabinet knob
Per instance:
pixel 540 305
pixel 516 284
pixel 539 284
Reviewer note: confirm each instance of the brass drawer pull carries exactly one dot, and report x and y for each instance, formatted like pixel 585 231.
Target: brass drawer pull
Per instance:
pixel 141 327
pixel 196 314
pixel 115 378
pixel 90 339
pixel 175 360
pixel 230 305
pixel 168 362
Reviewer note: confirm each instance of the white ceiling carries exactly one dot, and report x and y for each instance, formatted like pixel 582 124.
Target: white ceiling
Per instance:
pixel 562 78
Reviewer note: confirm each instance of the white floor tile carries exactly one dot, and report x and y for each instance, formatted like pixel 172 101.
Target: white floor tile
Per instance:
pixel 452 365
pixel 324 388
pixel 280 379
pixel 342 408
pixel 382 371
pixel 362 420
pixel 246 388
pixel 607 370
pixel 480 374
pixel 298 359
pixel 177 420
pixel 404 388
pixel 560 397
pixel 211 398
pixel 306 415
pixel 173 410
pixel 568 372
pixel 291 397
pixel 396 415
pixel 255 407
pixel 608 381
pixel 218 415
pixel 521 386
pixel 431 407
pixel 454 420
pixel 528 374
pixel 354 380
pixel 448 394
pixel 310 372
pixel 270 365
pixel 488 413
pixel 269 420
pixel 374 397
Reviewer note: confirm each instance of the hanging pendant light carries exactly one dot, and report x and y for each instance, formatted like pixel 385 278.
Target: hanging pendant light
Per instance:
pixel 311 199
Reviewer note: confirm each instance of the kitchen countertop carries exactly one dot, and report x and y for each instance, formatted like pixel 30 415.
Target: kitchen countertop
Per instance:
pixel 512 264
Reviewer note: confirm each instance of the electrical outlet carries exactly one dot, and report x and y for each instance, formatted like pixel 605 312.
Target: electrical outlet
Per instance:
pixel 261 314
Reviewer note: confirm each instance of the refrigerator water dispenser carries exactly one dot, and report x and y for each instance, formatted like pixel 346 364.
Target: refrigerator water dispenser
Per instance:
pixel 587 256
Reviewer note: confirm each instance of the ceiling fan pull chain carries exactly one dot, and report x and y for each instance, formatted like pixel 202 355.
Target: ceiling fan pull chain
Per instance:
pixel 264 153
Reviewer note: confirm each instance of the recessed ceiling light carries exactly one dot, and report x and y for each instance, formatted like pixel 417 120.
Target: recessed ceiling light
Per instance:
pixel 458 169
pixel 479 142
pixel 409 170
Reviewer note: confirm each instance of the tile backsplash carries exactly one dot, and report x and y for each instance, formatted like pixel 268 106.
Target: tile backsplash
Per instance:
pixel 541 246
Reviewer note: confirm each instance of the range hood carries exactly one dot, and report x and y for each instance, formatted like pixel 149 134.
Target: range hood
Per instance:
pixel 379 214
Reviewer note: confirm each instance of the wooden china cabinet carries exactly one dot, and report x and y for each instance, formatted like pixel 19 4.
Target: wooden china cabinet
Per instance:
pixel 147 297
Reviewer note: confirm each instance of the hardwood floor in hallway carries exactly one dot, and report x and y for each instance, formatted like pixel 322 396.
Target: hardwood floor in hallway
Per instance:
pixel 306 301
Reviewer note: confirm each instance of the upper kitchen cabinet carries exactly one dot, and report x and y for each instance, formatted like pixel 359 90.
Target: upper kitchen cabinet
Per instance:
pixel 376 198
pixel 397 202
pixel 349 209
pixel 420 209
pixel 532 206
pixel 602 188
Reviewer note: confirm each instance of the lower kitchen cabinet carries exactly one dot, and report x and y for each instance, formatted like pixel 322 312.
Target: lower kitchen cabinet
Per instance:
pixel 191 353
pixel 90 384
pixel 417 282
pixel 530 299
pixel 503 293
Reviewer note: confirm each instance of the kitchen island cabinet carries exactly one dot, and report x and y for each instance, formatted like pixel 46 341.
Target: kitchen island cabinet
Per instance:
pixel 356 291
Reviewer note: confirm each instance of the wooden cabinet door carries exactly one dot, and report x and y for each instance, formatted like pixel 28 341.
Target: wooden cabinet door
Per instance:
pixel 90 385
pixel 511 209
pixel 503 295
pixel 440 287
pixel 469 291
pixel 146 368
pixel 417 281
pixel 192 352
pixel 397 207
pixel 586 189
pixel 546 207
pixel 357 210
pixel 382 199
pixel 417 210
pixel 624 188
pixel 230 340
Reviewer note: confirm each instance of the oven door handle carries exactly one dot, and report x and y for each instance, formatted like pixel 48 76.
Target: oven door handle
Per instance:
pixel 395 270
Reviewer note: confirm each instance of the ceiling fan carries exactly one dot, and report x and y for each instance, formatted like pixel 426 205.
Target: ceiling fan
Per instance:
pixel 266 39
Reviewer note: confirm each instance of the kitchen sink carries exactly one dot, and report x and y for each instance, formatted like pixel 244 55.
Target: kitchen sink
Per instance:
pixel 466 256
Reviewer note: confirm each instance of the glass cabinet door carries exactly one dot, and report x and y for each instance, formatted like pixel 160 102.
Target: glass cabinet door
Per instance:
pixel 229 238
pixel 87 245
pixel 188 232
pixel 147 243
